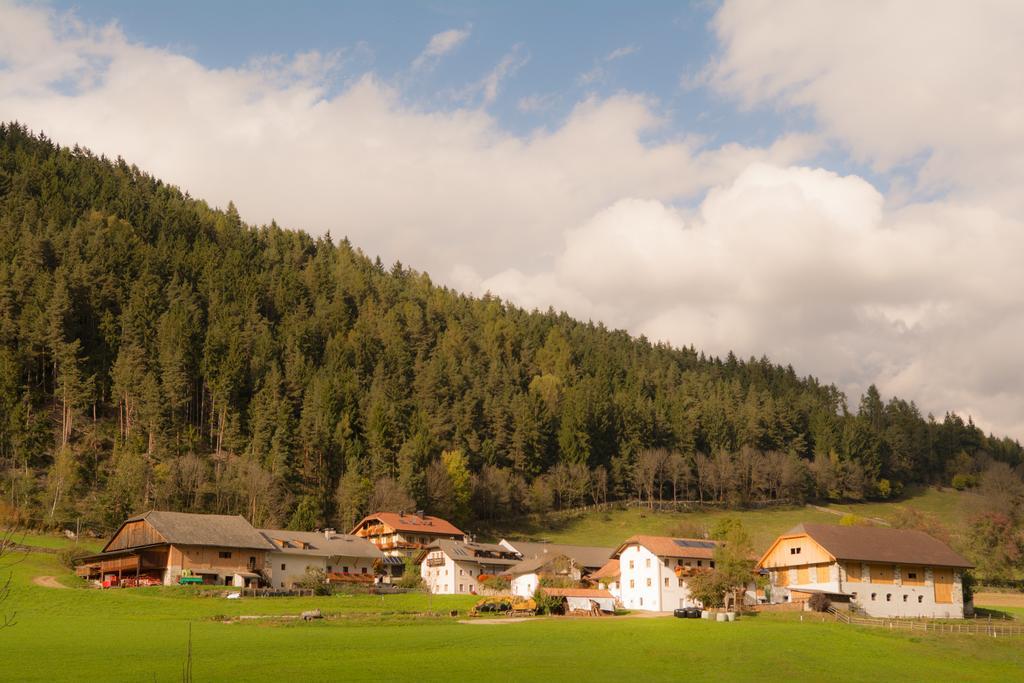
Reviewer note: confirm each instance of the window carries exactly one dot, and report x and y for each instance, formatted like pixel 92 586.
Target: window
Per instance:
pixel 666 582
pixel 700 563
pixel 873 596
pixel 344 570
pixel 679 563
pixel 666 562
pixel 794 551
pixel 905 596
pixel 283 566
pixel 460 572
pixel 680 583
pixel 911 575
pixel 282 584
pixel 330 569
pixel 712 564
pixel 224 555
pixel 364 570
pixel 631 564
pixel 920 598
pixel 648 582
pixel 632 583
pixel 460 587
pixel 648 563
pixel 888 597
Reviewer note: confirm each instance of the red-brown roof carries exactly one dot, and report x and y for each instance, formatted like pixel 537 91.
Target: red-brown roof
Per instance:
pixel 610 570
pixel 880 544
pixel 577 592
pixel 413 523
pixel 666 546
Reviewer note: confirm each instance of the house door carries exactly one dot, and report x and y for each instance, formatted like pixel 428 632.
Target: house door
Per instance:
pixel 943 585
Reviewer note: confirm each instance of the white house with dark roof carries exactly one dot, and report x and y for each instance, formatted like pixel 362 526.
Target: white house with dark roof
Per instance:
pixel 572 562
pixel 455 567
pixel 343 557
pixel 653 571
pixel 884 572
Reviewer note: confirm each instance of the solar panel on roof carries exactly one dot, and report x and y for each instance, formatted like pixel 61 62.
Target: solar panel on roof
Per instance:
pixel 686 543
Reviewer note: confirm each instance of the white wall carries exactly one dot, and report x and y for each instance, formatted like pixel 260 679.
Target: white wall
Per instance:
pixel 890 599
pixel 647 584
pixel 295 566
pixel 525 584
pixel 451 578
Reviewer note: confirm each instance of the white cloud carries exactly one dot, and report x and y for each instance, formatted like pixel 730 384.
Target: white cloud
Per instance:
pixel 811 266
pixel 597 73
pixel 440 44
pixel 897 82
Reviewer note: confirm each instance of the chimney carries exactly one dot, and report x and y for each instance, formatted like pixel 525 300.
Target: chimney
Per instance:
pixel 419 513
pixel 328 533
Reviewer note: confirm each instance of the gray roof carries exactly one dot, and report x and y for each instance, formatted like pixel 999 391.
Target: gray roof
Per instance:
pixel 185 528
pixel 588 557
pixel 317 544
pixel 470 552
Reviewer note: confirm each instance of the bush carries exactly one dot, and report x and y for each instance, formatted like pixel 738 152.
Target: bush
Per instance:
pixel 410 577
pixel 315 580
pixel 68 556
pixel 496 582
pixel 547 604
pixel 962 482
pixel 819 602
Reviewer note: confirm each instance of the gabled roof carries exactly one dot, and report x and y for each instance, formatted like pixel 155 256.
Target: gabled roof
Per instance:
pixel 610 570
pixel 666 546
pixel 317 544
pixel 476 553
pixel 878 544
pixel 534 564
pixel 587 557
pixel 426 524
pixel 185 528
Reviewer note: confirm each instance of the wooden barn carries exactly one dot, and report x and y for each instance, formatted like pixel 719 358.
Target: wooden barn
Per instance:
pixel 161 547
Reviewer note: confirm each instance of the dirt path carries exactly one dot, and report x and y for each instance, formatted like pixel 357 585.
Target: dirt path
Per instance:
pixel 48 582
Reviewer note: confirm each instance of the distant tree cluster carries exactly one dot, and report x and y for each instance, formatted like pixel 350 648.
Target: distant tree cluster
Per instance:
pixel 156 352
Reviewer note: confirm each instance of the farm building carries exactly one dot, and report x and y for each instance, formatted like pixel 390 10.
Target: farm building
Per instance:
pixel 398 534
pixel 530 574
pixel 343 557
pixel 885 572
pixel 159 546
pixel 537 559
pixel 452 567
pixel 583 600
pixel 653 571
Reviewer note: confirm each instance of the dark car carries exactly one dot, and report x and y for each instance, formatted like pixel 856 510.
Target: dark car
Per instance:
pixel 687 613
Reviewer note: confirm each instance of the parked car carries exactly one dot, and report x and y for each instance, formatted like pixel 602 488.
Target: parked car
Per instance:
pixel 687 613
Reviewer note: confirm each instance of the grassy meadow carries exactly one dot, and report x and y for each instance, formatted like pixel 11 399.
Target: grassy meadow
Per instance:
pixel 613 526
pixel 141 634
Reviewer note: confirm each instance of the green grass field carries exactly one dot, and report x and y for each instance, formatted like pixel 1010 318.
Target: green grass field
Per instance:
pixel 612 527
pixel 141 635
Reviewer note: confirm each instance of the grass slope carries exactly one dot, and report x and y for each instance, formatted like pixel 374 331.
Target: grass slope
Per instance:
pixel 140 634
pixel 609 528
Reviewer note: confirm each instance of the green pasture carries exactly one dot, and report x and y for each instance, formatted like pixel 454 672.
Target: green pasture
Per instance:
pixel 79 634
pixel 613 526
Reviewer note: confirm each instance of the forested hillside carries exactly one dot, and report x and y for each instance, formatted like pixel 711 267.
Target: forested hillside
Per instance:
pixel 160 353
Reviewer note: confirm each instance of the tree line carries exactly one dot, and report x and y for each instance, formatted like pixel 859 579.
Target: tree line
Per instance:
pixel 158 352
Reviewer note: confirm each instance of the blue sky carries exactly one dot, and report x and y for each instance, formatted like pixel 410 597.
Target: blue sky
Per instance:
pixel 833 184
pixel 668 43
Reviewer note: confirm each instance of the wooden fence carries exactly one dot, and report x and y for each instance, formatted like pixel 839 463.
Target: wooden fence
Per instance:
pixel 987 627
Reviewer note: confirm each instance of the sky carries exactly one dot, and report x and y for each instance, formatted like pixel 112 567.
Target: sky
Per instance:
pixel 834 185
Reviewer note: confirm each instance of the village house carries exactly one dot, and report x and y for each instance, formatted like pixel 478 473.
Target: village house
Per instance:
pixel 159 546
pixel 653 571
pixel 400 535
pixel 342 557
pixel 567 562
pixel 452 567
pixel 884 572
